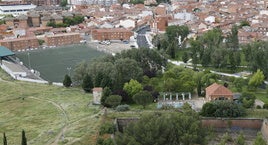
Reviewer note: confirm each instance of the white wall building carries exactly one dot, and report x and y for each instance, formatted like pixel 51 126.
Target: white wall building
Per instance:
pixel 90 2
pixel 184 16
pixel 210 19
pixel 128 23
pixel 16 10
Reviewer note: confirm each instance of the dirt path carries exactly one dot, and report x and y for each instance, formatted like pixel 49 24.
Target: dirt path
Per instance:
pixel 67 123
pixel 66 120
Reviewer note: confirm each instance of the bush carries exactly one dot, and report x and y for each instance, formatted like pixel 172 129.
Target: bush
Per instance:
pixel 247 99
pixel 240 140
pixel 122 108
pixel 107 128
pixel 265 106
pixel 113 100
pixel 167 107
pixel 258 107
pixel 99 141
pixel 108 141
pixel 222 109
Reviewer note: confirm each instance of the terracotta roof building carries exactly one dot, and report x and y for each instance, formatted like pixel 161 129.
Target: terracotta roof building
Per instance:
pixel 218 92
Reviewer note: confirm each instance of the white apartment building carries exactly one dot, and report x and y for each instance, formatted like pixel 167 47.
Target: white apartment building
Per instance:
pixel 16 10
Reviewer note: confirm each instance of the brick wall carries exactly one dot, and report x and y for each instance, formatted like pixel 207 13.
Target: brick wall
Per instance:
pixel 236 123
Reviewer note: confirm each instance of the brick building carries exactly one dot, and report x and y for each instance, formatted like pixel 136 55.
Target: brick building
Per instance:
pixel 62 39
pixel 160 23
pixel 218 92
pixel 20 43
pixel 45 2
pixel 112 34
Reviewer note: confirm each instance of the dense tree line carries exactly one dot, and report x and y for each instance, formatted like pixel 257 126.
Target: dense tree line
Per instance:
pixel 120 75
pixel 67 22
pixel 169 43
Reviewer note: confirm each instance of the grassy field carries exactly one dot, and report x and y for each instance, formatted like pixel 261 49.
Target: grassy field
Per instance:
pixel 53 63
pixel 48 114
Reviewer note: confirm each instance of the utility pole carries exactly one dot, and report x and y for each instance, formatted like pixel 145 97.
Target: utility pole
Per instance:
pixel 29 61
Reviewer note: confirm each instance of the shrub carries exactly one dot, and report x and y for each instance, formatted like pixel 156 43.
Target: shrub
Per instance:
pixel 167 107
pixel 265 106
pixel 99 141
pixel 108 141
pixel 122 108
pixel 113 100
pixel 107 128
pixel 240 140
pixel 222 109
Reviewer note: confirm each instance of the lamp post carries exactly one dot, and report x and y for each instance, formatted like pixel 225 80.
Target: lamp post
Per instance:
pixel 69 70
pixel 29 62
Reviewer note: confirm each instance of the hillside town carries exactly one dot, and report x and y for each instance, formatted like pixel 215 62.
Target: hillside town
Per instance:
pixel 26 24
pixel 180 72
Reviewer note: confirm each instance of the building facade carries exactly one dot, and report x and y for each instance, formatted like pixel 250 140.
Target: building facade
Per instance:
pixel 112 34
pixel 62 39
pixel 20 43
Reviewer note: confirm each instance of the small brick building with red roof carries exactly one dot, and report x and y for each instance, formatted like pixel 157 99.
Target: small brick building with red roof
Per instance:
pixel 218 92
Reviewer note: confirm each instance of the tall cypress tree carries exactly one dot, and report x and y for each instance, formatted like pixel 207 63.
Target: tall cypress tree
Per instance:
pixel 4 139
pixel 87 84
pixel 67 81
pixel 23 138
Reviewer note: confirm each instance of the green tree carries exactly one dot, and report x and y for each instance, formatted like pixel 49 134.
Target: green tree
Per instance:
pixel 198 81
pixel 185 57
pixel 132 87
pixel 164 129
pixel 87 84
pixel 239 83
pixel 173 32
pixel 259 140
pixel 113 100
pixel 247 99
pixel 80 71
pixel 63 3
pixel 126 69
pixel 67 81
pixel 4 139
pixel 98 79
pixel 23 138
pixel 240 140
pixel 256 79
pixel 211 40
pixel 256 55
pixel 197 51
pixel 244 23
pixel 143 98
pixel 105 94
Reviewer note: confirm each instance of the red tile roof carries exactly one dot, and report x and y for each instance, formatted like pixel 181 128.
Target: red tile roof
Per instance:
pixel 216 89
pixel 98 89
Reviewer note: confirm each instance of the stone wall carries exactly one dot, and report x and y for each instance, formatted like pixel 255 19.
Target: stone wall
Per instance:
pixel 264 129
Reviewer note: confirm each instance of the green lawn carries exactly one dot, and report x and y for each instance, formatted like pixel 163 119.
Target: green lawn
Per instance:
pixel 44 110
pixel 262 95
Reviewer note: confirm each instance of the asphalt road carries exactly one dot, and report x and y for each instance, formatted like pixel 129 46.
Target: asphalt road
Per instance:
pixel 141 39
